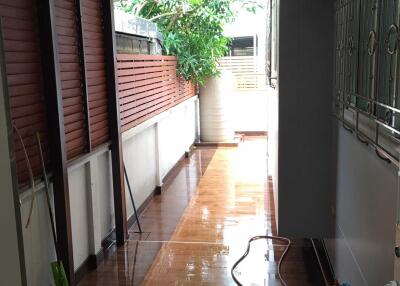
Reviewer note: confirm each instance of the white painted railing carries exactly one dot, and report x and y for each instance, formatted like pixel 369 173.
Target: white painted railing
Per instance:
pixel 248 71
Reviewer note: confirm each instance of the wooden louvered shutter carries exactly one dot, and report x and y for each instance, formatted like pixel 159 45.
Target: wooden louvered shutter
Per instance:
pixel 24 77
pixel 92 24
pixel 71 82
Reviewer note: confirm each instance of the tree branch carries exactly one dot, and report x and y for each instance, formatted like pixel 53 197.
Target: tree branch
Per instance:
pixel 139 7
pixel 163 15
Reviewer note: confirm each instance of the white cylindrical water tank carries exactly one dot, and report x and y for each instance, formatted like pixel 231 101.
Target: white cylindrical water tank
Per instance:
pixel 215 112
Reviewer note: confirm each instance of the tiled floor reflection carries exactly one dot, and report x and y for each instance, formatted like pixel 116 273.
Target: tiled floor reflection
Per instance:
pixel 200 226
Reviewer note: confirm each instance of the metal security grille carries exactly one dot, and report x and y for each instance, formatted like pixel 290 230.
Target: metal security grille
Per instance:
pixel 366 95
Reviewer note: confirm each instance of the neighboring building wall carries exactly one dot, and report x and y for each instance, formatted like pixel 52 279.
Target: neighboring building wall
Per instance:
pixel 249 98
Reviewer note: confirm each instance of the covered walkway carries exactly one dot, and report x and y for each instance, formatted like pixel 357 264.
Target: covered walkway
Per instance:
pixel 200 226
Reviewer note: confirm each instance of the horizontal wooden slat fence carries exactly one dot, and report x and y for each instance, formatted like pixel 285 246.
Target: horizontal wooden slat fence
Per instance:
pixel 248 71
pixel 148 85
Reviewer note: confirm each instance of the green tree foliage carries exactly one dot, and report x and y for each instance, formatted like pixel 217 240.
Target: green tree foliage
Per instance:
pixel 192 30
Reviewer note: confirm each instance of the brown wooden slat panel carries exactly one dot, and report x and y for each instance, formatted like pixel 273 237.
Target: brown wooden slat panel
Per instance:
pixel 97 96
pixel 70 75
pixel 68 84
pixel 29 119
pixel 135 90
pixel 131 97
pixel 18 35
pixel 96 81
pixel 92 28
pixel 130 57
pixel 95 66
pixel 99 125
pixel 140 77
pixel 148 70
pixel 71 92
pixel 101 133
pixel 19 46
pixel 92 24
pixel 18 24
pixel 22 68
pixel 70 119
pixel 22 111
pixel 133 123
pixel 96 88
pixel 92 4
pixel 22 57
pixel 98 103
pixel 138 102
pixel 71 81
pixel 99 117
pixel 65 4
pixel 131 83
pixel 74 126
pixel 100 139
pixel 77 108
pixel 166 103
pixel 23 13
pixel 23 100
pixel 137 111
pixel 74 148
pixel 17 3
pixel 67 49
pixel 96 73
pixel 64 13
pixel 77 134
pixel 100 136
pixel 68 58
pixel 24 81
pixel 143 64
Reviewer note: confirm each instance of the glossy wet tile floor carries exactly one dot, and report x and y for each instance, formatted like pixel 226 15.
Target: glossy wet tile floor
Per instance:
pixel 199 227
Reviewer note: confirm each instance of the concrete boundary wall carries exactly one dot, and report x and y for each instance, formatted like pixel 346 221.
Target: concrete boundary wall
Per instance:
pixel 150 149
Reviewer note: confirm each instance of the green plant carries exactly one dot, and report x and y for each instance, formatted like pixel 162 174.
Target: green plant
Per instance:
pixel 192 30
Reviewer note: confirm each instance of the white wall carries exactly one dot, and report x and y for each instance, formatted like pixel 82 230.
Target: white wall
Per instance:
pixel 78 195
pixel 141 165
pixel 38 241
pixel 150 151
pixel 152 148
pixel 11 270
pixel 177 133
pixel 92 217
pixel 272 123
pixel 250 110
pixel 362 250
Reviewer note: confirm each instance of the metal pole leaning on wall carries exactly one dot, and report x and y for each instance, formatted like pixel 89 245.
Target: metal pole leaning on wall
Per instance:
pixel 114 124
pixel 132 200
pixel 58 155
